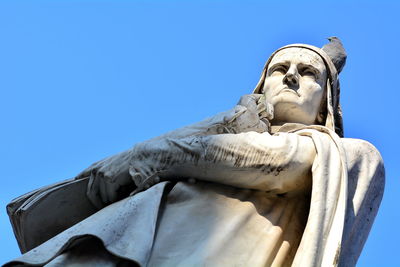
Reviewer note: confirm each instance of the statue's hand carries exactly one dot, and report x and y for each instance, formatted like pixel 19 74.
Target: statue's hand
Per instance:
pixel 253 114
pixel 108 179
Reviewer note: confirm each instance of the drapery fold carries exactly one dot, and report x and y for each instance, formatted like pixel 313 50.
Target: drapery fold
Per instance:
pixel 322 237
pixel 147 217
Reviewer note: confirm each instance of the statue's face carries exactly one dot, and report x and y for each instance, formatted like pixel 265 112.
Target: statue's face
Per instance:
pixel 295 85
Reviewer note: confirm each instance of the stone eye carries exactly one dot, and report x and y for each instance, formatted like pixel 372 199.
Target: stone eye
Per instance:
pixel 307 72
pixel 280 68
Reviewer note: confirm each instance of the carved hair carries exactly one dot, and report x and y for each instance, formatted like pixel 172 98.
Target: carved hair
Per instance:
pixel 332 115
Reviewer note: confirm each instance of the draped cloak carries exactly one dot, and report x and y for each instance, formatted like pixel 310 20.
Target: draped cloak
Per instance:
pixel 256 220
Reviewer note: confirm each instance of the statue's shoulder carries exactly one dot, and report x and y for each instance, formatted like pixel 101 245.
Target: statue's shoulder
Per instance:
pixel 362 148
pixel 364 163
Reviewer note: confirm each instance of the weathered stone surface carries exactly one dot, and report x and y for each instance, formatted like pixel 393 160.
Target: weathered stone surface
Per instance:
pixel 271 182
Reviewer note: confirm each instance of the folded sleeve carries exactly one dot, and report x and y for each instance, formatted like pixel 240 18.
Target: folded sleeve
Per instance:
pixel 278 163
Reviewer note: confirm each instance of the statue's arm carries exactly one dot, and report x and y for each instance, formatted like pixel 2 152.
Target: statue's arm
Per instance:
pixel 366 181
pixel 250 114
pixel 275 163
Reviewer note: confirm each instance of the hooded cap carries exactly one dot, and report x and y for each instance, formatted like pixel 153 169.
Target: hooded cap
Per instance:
pixel 333 116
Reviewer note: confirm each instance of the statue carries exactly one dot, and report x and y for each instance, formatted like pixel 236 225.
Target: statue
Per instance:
pixel 271 182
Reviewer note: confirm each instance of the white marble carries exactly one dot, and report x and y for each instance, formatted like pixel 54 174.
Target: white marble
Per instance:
pixel 271 182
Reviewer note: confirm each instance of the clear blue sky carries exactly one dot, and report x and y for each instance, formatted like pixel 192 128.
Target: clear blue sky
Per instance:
pixel 81 80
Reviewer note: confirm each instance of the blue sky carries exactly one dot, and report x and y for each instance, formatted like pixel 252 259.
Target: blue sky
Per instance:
pixel 82 80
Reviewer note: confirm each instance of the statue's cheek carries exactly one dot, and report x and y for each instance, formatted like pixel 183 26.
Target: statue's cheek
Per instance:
pixel 272 85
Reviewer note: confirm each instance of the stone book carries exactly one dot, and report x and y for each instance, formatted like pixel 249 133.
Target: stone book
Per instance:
pixel 43 213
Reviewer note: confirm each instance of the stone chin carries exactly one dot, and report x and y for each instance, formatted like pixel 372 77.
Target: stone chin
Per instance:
pixel 288 107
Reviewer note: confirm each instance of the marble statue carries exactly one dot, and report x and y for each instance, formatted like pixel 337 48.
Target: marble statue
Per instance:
pixel 271 182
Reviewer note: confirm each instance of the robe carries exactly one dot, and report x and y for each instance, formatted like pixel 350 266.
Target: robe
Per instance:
pixel 254 203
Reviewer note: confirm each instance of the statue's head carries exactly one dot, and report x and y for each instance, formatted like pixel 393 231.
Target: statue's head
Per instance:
pixel 301 82
pixel 294 84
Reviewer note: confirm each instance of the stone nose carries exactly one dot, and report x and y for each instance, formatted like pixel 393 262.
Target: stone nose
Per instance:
pixel 291 78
